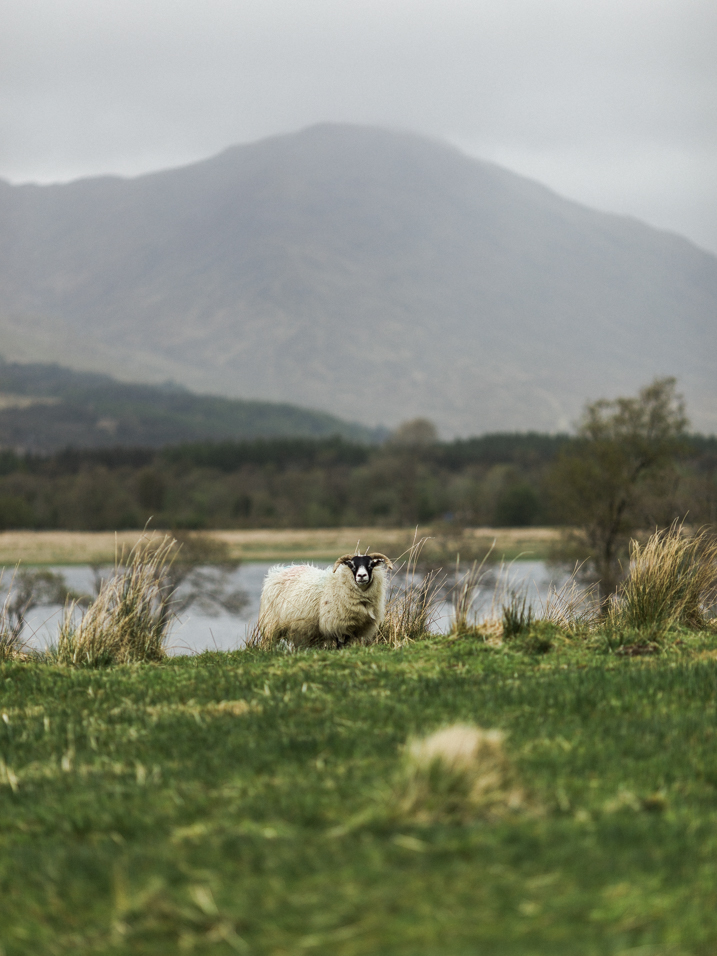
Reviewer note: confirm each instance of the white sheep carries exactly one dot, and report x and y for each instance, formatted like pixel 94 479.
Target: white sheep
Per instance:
pixel 325 607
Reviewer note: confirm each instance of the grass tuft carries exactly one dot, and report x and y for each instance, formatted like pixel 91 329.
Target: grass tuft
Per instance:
pixel 414 600
pixel 573 607
pixel 463 595
pixel 672 582
pixel 11 643
pixel 458 774
pixel 517 615
pixel 129 620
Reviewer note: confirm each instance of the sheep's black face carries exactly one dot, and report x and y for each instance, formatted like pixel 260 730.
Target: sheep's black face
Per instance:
pixel 362 567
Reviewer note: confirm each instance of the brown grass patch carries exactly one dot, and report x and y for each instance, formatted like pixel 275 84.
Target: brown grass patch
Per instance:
pixel 458 774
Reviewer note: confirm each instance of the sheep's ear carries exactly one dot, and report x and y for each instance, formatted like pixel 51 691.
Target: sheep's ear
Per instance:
pixel 346 559
pixel 377 556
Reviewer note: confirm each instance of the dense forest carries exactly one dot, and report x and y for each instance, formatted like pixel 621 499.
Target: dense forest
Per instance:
pixel 498 480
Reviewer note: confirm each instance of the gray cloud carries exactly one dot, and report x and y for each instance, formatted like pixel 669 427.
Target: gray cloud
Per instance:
pixel 613 103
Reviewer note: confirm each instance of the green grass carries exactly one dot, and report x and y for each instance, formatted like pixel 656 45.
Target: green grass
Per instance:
pixel 140 814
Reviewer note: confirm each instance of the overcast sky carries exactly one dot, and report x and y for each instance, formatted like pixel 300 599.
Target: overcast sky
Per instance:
pixel 611 102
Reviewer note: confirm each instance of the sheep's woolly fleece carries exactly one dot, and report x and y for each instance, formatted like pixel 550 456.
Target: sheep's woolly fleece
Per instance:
pixel 309 606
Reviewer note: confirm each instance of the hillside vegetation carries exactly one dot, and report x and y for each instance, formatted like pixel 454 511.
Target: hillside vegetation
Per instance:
pixel 44 408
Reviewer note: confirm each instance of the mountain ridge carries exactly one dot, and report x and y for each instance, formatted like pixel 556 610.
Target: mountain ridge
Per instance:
pixel 371 274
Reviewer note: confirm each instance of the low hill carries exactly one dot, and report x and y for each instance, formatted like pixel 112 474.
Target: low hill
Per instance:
pixel 46 407
pixel 376 275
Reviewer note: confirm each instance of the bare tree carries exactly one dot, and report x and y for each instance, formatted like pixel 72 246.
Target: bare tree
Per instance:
pixel 28 588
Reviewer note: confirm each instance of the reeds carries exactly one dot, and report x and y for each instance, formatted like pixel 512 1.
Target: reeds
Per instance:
pixel 414 599
pixel 463 593
pixel 573 607
pixel 517 615
pixel 130 618
pixel 11 643
pixel 672 581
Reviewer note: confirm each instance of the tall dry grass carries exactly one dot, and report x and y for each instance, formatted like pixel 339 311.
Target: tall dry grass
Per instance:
pixel 463 594
pixel 130 618
pixel 672 581
pixel 573 607
pixel 414 599
pixel 11 643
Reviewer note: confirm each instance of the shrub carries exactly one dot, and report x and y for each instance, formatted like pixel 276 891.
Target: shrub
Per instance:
pixel 15 512
pixel 28 588
pixel 517 507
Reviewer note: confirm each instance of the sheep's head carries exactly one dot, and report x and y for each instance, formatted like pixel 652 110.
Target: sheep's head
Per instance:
pixel 362 566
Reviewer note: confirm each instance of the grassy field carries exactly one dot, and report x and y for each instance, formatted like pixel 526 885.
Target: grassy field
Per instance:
pixel 322 544
pixel 251 803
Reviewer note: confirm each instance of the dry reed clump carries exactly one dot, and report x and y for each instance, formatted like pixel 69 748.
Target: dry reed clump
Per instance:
pixel 11 644
pixel 573 608
pixel 510 613
pixel 672 581
pixel 463 594
pixel 413 601
pixel 568 611
pixel 458 774
pixel 130 618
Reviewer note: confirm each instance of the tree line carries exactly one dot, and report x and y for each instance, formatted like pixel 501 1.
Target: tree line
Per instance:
pixel 631 463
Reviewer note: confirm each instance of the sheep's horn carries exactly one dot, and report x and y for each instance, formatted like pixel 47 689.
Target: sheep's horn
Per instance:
pixel 343 560
pixel 382 557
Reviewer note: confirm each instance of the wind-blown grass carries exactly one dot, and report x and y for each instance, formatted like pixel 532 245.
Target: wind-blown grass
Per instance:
pixel 11 643
pixel 463 594
pixel 414 599
pixel 672 581
pixel 573 607
pixel 130 618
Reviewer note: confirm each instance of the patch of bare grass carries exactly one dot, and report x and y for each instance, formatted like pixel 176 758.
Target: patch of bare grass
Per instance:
pixel 458 774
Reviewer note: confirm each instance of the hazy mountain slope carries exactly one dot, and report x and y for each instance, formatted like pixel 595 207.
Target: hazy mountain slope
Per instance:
pixel 376 275
pixel 45 407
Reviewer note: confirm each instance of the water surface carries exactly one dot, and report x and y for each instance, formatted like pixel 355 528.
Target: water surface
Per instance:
pixel 195 630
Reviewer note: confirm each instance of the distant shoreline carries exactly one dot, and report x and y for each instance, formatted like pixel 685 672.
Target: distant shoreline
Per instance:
pixel 284 544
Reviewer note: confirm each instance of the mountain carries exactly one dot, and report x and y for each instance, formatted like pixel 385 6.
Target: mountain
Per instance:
pixel 44 408
pixel 372 274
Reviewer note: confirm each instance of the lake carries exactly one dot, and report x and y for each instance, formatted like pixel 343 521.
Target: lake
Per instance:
pixel 195 630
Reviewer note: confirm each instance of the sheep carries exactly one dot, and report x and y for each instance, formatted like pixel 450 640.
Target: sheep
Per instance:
pixel 316 607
